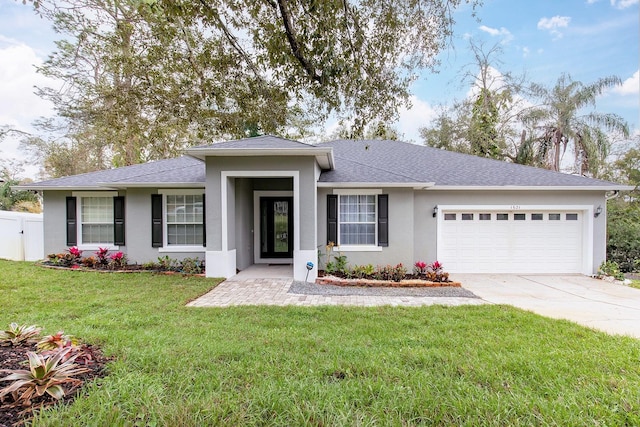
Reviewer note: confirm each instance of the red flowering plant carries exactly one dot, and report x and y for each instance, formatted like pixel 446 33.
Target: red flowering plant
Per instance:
pixel 75 252
pixel 420 267
pixel 101 254
pixel 118 260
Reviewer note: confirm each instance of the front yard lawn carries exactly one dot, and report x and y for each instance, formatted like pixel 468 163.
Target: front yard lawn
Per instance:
pixel 475 365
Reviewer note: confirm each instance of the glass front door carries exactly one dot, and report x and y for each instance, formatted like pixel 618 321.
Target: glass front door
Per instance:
pixel 276 227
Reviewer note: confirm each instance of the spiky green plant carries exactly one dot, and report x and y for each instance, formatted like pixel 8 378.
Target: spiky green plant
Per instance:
pixel 18 334
pixel 46 374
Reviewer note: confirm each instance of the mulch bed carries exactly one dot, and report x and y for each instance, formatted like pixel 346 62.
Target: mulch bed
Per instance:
pixel 13 414
pixel 409 283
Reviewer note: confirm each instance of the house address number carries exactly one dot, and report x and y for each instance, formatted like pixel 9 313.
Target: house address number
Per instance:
pixel 515 207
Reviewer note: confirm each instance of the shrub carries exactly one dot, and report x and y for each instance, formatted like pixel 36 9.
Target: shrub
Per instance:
pixel 611 268
pixel 192 266
pixel 90 262
pixel 46 374
pixel 168 264
pixel 623 227
pixel 18 334
pixel 63 259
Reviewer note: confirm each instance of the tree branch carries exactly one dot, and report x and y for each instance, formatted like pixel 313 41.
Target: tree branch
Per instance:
pixel 231 38
pixel 296 49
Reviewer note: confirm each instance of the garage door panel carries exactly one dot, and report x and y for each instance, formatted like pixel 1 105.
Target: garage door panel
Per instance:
pixel 512 246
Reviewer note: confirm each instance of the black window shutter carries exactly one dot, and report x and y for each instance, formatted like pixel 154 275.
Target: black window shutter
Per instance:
pixel 72 222
pixel 156 220
pixel 204 222
pixel 383 220
pixel 332 218
pixel 118 220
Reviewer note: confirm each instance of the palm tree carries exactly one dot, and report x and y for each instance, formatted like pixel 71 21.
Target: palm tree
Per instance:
pixel 557 121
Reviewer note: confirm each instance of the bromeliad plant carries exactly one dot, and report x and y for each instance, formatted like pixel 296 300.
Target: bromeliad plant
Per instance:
pixel 19 334
pixel 46 374
pixel 57 341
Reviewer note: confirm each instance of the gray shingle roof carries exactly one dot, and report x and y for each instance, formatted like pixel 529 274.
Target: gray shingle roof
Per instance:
pixel 372 161
pixel 401 162
pixel 181 170
pixel 265 142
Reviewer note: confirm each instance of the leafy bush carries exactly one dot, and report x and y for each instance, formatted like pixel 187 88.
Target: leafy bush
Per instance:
pixel 611 268
pixel 360 271
pixel 623 228
pixel 63 259
pixel 46 374
pixel 18 334
pixel 192 266
pixel 168 264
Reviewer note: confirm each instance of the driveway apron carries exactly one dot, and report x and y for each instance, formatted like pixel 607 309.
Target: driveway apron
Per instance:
pixel 595 303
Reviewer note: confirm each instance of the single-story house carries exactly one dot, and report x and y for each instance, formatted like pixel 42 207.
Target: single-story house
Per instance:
pixel 272 200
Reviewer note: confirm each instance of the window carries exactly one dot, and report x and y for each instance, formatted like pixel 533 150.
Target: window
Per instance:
pixel 357 219
pixel 449 217
pixel 554 217
pixel 572 217
pixel 502 217
pixel 467 216
pixel 485 216
pixel 96 220
pixel 184 219
pixel 519 217
pixel 536 217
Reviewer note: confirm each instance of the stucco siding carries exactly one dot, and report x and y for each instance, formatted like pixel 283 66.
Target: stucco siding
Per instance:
pixel 401 235
pixel 413 229
pixel 305 166
pixel 55 220
pixel 137 227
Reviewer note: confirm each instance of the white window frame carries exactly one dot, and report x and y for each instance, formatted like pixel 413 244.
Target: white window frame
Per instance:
pixel 90 246
pixel 165 241
pixel 359 192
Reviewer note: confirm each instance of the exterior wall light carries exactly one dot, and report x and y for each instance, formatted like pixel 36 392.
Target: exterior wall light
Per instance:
pixel 435 211
pixel 597 212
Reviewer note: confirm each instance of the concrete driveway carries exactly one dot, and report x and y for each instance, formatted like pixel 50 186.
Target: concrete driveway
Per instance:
pixel 590 302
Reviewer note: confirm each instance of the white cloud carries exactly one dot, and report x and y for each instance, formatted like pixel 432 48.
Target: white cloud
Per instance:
pixel 19 106
pixel 498 32
pixel 553 24
pixel 18 103
pixel 630 86
pixel 411 120
pixel 623 4
pixel 526 52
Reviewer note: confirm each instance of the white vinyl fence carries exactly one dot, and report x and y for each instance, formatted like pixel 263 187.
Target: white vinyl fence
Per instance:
pixel 21 236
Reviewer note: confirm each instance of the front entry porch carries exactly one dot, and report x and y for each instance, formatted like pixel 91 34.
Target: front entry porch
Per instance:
pixel 265 271
pixel 267 219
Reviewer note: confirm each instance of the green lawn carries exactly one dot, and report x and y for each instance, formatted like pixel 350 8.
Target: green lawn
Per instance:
pixel 484 365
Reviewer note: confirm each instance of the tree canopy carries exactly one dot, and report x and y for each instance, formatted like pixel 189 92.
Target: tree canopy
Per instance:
pixel 143 79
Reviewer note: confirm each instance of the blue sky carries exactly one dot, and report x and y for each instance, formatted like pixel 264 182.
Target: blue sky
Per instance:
pixel 588 39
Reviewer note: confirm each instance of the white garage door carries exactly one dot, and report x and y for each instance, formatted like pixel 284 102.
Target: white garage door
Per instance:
pixel 511 242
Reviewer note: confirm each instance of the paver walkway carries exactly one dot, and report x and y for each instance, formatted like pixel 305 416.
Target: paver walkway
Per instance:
pixel 274 291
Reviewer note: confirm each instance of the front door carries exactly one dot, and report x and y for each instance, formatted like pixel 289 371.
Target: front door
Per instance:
pixel 276 227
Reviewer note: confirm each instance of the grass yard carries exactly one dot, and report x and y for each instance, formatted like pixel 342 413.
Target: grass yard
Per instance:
pixel 484 365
